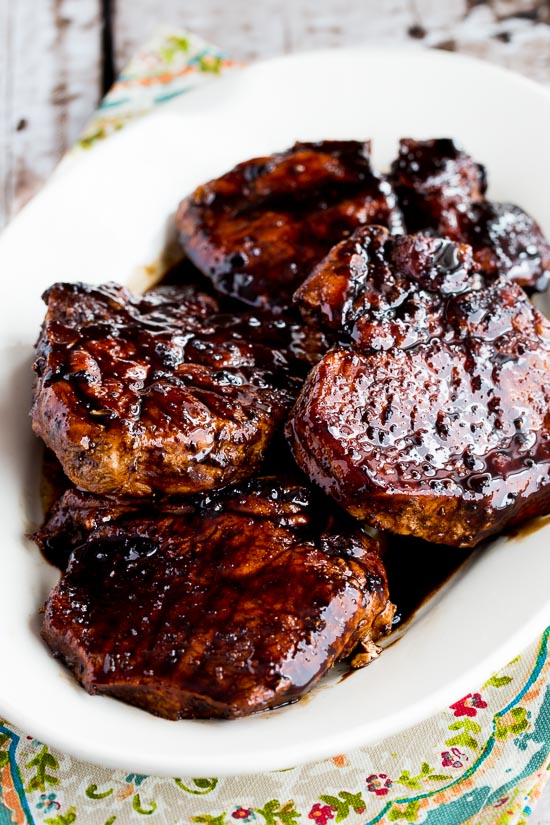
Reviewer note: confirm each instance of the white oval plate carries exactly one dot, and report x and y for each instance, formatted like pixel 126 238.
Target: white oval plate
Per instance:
pixel 105 216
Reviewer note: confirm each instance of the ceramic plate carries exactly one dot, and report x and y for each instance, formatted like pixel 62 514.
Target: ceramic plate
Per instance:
pixel 105 217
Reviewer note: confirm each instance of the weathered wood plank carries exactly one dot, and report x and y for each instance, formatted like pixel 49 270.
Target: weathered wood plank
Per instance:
pixel 245 30
pixel 512 33
pixel 50 70
pixel 6 127
pixel 314 25
pixel 50 60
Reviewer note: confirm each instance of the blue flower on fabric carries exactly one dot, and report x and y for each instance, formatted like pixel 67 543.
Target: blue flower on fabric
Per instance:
pixel 48 802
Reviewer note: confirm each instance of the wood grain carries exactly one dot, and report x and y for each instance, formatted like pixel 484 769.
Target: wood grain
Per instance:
pixel 51 61
pixel 246 30
pixel 50 70
pixel 512 33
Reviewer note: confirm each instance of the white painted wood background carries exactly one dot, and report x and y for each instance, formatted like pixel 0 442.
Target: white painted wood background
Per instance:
pixel 58 56
pixel 54 61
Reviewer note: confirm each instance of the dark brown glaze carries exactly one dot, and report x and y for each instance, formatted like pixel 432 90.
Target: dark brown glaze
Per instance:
pixel 75 515
pixel 70 515
pixel 304 345
pixel 441 189
pixel 380 291
pixel 448 441
pixel 529 528
pixel 258 230
pixel 160 393
pixel 506 240
pixel 182 273
pixel 436 182
pixel 53 482
pixel 237 602
pixel 416 571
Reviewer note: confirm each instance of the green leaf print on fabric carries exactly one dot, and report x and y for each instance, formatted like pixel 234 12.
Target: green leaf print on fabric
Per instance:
pixel 273 812
pixel 89 140
pixel 173 45
pixel 63 819
pixel 136 804
pixel 408 813
pixel 426 773
pixel 110 820
pixel 210 63
pixel 497 681
pixel 43 762
pixel 465 739
pixel 210 820
pixel 520 723
pixel 203 786
pixel 91 792
pixel 4 755
pixel 347 801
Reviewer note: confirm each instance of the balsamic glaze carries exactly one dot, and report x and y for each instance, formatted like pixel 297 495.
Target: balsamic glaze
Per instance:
pixel 417 570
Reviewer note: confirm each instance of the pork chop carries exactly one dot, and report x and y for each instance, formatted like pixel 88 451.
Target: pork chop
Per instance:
pixel 449 440
pixel 160 393
pixel 379 291
pixel 258 230
pixel 217 606
pixel 442 189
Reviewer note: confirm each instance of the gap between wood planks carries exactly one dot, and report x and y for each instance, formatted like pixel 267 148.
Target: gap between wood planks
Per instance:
pixel 107 47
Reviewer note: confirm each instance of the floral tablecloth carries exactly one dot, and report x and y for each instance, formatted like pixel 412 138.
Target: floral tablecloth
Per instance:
pixel 482 761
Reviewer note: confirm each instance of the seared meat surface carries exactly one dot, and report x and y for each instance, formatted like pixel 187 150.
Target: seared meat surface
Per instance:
pixel 380 291
pixel 448 441
pixel 506 240
pixel 436 183
pixel 217 606
pixel 441 189
pixel 75 515
pixel 160 393
pixel 258 230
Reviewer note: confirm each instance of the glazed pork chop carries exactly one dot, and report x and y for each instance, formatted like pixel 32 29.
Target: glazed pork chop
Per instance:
pixel 505 239
pixel 448 440
pixel 379 291
pixel 160 393
pixel 442 189
pixel 216 606
pixel 258 230
pixel 436 182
